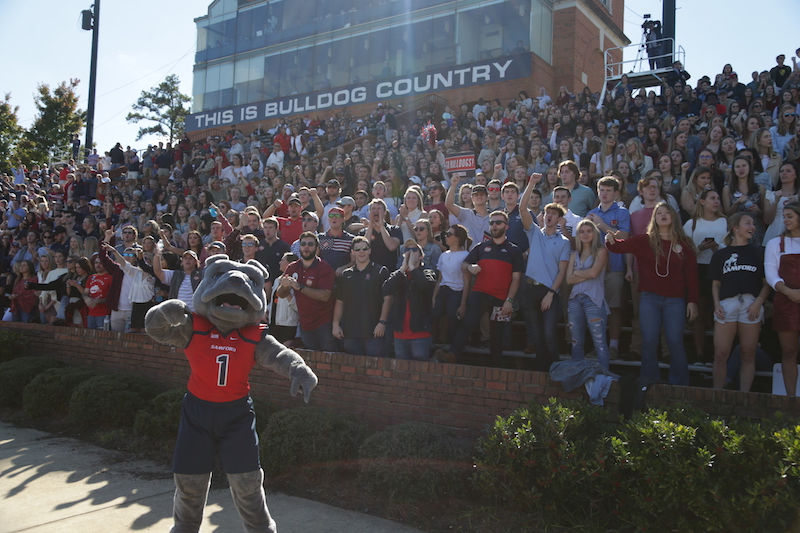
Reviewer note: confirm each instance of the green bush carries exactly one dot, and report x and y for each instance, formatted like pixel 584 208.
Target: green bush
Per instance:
pixel 264 410
pixel 308 436
pixel 548 459
pixel 416 462
pixel 17 373
pixel 50 391
pixel 161 417
pixel 110 400
pixel 697 473
pixel 662 470
pixel 11 344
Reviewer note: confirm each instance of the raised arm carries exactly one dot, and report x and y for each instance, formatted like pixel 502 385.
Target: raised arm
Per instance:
pixel 524 213
pixel 450 199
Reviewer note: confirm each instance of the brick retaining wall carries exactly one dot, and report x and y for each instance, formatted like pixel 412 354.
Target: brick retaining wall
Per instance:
pixel 381 392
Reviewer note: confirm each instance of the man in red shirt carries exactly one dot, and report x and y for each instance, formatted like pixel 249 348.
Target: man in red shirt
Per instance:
pixel 292 226
pixel 312 279
pixel 95 294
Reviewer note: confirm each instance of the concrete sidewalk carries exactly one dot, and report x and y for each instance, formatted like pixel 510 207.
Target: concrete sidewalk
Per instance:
pixel 53 484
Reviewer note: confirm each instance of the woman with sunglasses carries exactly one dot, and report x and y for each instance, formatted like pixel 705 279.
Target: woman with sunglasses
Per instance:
pixel 785 129
pixel 450 280
pixel 423 234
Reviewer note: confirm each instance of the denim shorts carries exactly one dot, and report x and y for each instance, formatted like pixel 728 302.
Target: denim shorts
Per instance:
pixel 736 309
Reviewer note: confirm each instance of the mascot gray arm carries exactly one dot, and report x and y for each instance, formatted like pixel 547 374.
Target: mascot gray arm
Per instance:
pixel 272 354
pixel 170 322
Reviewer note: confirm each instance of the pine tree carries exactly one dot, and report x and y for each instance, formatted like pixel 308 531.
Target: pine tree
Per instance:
pixel 163 105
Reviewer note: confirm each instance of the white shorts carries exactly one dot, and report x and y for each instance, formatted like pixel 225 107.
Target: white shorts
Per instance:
pixel 736 309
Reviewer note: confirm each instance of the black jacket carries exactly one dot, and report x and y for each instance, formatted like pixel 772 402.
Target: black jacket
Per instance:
pixel 417 289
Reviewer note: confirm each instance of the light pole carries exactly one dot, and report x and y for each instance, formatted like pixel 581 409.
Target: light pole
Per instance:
pixel 91 21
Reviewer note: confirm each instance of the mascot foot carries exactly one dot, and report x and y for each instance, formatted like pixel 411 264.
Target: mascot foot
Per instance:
pixel 248 495
pixel 191 492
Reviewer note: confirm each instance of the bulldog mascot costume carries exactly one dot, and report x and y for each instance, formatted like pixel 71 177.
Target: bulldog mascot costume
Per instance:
pixel 223 340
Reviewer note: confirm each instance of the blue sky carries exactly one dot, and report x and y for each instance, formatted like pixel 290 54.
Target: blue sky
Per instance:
pixel 144 41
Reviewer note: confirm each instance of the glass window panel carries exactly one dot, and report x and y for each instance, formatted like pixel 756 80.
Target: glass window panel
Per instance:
pixel 516 28
pixel 288 73
pixel 255 90
pixel 340 62
pixel 419 45
pixel 199 82
pixel 547 36
pixel 305 70
pixel 272 80
pixel 442 43
pixel 399 52
pixel 359 70
pixel 322 65
pixel 377 59
pixel 212 78
pixel 241 71
pixel 226 75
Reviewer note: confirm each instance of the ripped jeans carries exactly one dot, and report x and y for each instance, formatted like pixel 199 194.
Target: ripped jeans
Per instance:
pixel 583 312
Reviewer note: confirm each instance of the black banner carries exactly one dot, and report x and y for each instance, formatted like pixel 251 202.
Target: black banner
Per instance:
pixel 456 77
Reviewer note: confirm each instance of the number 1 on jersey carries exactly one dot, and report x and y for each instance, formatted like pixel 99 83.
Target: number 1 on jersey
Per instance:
pixel 222 374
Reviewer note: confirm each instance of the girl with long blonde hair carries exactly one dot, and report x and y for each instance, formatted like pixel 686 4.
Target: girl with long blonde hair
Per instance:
pixel 587 305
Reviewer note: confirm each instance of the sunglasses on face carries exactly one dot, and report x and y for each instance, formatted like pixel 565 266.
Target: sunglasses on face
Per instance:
pixel 449 234
pixel 312 243
pixel 334 215
pixel 422 228
pixel 496 222
pixel 364 249
pixel 249 244
pixel 128 255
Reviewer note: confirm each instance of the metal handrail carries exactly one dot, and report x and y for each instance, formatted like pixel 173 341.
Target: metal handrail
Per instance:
pixel 618 68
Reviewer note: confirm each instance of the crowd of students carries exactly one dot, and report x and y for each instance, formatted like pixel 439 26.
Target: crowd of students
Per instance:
pixel 576 207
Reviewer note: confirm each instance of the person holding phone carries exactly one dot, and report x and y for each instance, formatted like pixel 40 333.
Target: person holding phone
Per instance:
pixel 707 229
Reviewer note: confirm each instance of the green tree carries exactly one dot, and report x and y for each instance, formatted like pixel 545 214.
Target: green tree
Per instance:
pixel 58 118
pixel 163 105
pixel 10 133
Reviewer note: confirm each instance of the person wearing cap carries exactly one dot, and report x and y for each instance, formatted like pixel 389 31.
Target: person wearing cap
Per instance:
pixel 334 190
pixel 182 283
pixel 291 226
pixel 312 280
pixel 334 244
pixel 216 248
pixel 361 309
pixel 352 222
pixel 476 220
pixel 310 222
pixel 271 249
pixel 60 241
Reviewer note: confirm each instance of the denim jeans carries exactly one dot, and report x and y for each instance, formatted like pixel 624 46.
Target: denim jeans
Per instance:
pixel 320 339
pixel 95 322
pixel 416 349
pixel 654 312
pixel 447 303
pixel 544 324
pixel 21 316
pixel 583 312
pixel 479 303
pixel 371 347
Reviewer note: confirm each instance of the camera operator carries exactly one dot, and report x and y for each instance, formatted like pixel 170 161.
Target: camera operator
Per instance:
pixel 652 36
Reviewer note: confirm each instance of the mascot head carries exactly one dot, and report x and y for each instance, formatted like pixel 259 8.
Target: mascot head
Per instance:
pixel 231 294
